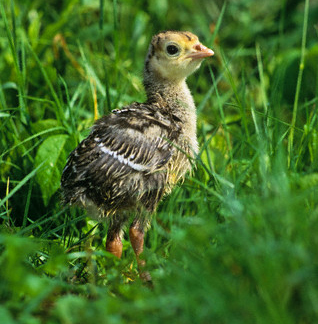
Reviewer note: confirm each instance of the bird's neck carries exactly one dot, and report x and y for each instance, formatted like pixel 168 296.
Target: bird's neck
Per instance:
pixel 177 96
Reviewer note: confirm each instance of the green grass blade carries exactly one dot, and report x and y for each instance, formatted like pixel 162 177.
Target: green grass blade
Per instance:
pixel 19 70
pixel 21 184
pixel 60 112
pixel 31 138
pixel 299 81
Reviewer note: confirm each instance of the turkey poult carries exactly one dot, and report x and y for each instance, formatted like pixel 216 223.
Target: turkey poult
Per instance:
pixel 135 156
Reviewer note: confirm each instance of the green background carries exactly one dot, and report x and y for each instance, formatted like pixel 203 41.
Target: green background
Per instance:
pixel 237 241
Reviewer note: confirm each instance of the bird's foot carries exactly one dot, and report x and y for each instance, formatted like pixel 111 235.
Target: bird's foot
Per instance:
pixel 145 276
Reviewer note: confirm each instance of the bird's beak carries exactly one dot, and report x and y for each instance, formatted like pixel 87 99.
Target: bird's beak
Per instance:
pixel 200 51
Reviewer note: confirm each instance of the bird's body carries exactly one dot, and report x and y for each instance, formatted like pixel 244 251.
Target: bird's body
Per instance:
pixel 136 155
pixel 130 159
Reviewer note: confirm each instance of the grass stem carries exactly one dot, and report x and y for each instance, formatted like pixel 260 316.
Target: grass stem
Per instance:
pixel 298 86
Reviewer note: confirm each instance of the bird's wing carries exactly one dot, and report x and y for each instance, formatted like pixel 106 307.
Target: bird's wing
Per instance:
pixel 134 139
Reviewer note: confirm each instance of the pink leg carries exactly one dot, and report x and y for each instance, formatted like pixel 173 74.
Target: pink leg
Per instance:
pixel 114 244
pixel 137 242
pixel 136 236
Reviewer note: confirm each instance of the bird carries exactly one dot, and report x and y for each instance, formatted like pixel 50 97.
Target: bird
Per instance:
pixel 135 156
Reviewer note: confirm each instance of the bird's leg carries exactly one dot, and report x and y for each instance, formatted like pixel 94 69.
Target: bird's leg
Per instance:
pixel 136 236
pixel 114 244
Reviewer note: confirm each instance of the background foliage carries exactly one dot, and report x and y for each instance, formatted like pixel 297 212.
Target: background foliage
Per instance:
pixel 236 243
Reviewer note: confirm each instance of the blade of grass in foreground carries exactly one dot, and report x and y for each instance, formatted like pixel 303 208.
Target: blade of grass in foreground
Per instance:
pixel 299 80
pixel 60 112
pixel 19 69
pixel 220 105
pixel 21 184
pixel 31 138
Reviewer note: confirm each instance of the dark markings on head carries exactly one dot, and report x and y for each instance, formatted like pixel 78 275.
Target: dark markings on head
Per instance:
pixel 151 51
pixel 175 31
pixel 185 34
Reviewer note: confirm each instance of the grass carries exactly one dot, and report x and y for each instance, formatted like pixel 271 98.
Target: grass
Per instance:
pixel 236 242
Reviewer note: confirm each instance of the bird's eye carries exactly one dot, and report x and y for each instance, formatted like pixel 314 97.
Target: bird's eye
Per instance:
pixel 172 50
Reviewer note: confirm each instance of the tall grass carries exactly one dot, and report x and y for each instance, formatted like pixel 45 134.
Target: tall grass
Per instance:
pixel 236 242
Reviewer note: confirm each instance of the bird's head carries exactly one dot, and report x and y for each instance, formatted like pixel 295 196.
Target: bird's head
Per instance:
pixel 174 55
